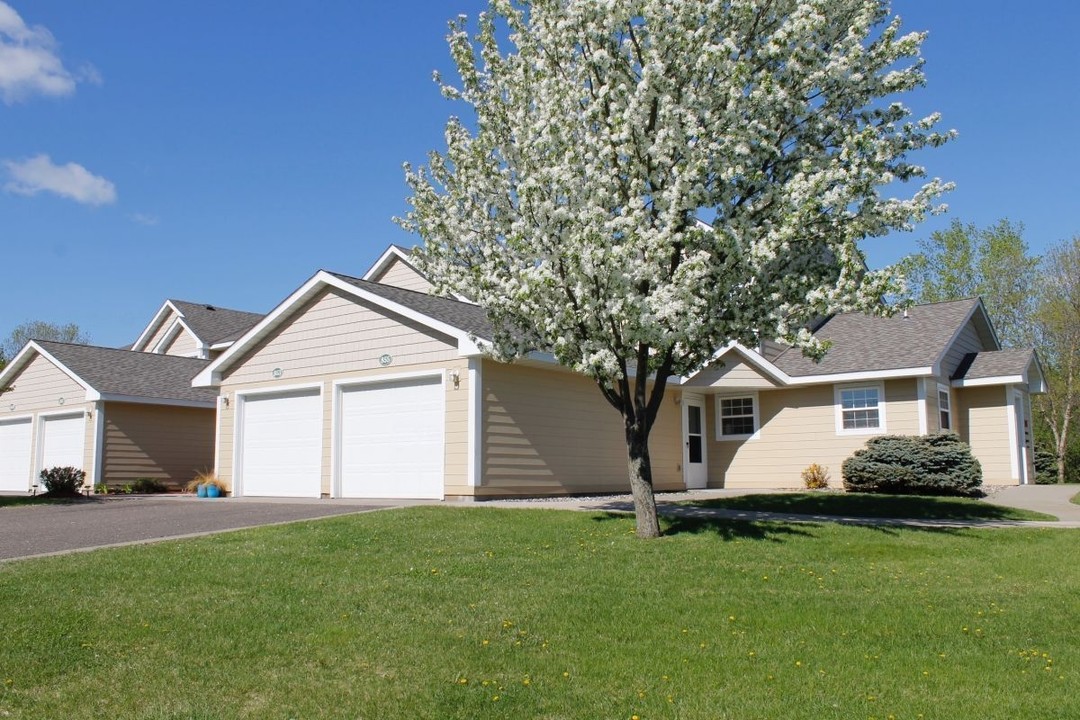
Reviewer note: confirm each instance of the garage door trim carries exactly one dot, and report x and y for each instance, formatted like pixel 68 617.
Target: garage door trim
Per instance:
pixel 344 385
pixel 238 423
pixel 40 439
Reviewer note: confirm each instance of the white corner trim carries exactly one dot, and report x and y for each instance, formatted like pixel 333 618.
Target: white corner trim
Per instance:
pixel 882 428
pixel 1014 439
pixel 476 404
pixel 924 411
pixel 753 395
pixel 99 444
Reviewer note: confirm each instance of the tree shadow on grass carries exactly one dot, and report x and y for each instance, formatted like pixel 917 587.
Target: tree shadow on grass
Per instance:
pixel 726 528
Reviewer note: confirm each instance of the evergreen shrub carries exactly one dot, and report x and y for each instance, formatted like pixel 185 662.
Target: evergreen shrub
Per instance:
pixel 939 464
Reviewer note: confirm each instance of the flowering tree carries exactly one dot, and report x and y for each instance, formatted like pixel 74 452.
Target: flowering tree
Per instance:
pixel 567 205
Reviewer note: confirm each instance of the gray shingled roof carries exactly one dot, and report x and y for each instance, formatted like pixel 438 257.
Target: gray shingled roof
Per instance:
pixel 136 374
pixel 866 343
pixel 213 324
pixel 461 315
pixel 994 363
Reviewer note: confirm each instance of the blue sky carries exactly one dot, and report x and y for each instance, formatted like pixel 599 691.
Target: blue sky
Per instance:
pixel 222 152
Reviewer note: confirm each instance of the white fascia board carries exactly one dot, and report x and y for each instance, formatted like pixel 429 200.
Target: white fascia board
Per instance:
pixel 222 345
pixel 138 399
pixel 211 374
pixel 159 316
pixel 761 364
pixel 389 255
pixel 867 375
pixel 998 380
pixel 172 333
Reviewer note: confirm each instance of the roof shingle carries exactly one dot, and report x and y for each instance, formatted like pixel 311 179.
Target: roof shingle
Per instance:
pixel 213 324
pixel 130 373
pixel 994 363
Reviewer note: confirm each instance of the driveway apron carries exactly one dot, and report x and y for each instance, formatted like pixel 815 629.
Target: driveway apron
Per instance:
pixel 31 530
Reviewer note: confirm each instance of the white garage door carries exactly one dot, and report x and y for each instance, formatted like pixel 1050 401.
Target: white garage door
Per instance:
pixel 15 438
pixel 62 439
pixel 392 440
pixel 281 445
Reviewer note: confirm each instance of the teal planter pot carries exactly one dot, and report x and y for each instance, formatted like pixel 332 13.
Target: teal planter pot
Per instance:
pixel 201 491
pixel 213 491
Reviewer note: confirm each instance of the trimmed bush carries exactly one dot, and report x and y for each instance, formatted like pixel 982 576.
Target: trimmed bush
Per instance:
pixel 939 464
pixel 62 480
pixel 148 485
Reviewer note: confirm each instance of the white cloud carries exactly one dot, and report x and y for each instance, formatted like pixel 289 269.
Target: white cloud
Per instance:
pixel 29 63
pixel 144 219
pixel 72 181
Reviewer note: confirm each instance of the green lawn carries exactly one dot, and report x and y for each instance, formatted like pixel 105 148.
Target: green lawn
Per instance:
pixel 866 505
pixel 444 612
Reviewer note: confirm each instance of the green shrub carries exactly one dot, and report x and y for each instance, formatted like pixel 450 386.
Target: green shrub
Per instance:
pixel 62 480
pixel 1046 470
pixel 148 485
pixel 939 464
pixel 815 477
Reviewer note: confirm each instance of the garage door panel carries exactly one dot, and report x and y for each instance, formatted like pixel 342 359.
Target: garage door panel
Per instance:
pixel 392 440
pixel 15 455
pixel 281 445
pixel 62 441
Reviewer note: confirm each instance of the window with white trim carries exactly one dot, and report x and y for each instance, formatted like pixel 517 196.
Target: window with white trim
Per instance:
pixel 944 403
pixel 737 417
pixel 860 409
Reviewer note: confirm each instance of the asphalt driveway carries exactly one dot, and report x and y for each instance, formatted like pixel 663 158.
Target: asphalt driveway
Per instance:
pixel 34 530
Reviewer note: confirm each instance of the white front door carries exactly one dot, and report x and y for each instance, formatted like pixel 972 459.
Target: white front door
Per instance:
pixel 15 437
pixel 695 467
pixel 1022 432
pixel 392 439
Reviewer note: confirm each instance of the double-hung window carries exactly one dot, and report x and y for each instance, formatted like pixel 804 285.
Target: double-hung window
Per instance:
pixel 737 417
pixel 944 408
pixel 860 409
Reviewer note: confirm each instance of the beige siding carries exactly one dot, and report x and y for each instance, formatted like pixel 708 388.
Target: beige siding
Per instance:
pixel 40 386
pixel 985 427
pixel 159 332
pixel 169 444
pixel 337 338
pixel 399 274
pixel 183 345
pixel 966 342
pixel 456 420
pixel 334 333
pixel 798 427
pixel 549 431
pixel 732 374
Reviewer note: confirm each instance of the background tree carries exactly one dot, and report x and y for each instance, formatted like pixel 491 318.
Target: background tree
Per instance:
pixel 566 205
pixel 1057 324
pixel 40 330
pixel 994 263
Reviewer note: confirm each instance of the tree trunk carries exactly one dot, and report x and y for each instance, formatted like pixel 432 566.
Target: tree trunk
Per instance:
pixel 637 448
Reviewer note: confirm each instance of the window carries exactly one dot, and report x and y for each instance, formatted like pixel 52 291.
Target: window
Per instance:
pixel 860 409
pixel 738 417
pixel 944 408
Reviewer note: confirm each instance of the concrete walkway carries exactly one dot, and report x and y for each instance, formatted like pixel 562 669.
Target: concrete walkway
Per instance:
pixel 1049 499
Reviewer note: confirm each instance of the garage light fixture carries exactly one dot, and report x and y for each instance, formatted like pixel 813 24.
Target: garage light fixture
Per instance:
pixel 454 377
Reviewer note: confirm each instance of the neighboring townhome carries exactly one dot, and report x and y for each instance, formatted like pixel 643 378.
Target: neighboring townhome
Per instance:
pixel 118 415
pixel 357 388
pixel 192 329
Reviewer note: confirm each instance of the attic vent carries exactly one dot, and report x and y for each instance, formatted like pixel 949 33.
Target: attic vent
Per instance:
pixel 211 307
